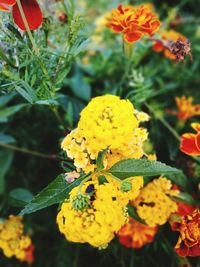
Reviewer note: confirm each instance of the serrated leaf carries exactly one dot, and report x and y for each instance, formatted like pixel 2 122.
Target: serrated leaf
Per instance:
pixel 54 193
pixel 144 167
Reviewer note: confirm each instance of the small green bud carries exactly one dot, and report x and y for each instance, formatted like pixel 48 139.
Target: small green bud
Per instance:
pixel 126 186
pixel 81 202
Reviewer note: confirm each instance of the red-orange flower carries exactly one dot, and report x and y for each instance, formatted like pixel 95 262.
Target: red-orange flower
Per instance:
pixel 5 4
pixel 184 209
pixel 168 36
pixel 186 108
pixel 189 240
pixel 29 258
pixel 190 143
pixel 135 234
pixel 134 22
pixel 31 10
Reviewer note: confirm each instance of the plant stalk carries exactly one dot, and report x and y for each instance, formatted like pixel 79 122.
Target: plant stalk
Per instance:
pixel 27 27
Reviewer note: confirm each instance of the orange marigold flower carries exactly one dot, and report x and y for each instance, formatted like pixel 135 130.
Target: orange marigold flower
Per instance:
pixel 134 22
pixel 189 240
pixel 190 143
pixel 186 108
pixel 135 234
pixel 31 10
pixel 167 37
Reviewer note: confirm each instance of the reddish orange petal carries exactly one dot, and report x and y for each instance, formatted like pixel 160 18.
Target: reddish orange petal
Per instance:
pixel 132 37
pixel 196 126
pixel 197 141
pixel 5 4
pixel 188 145
pixel 117 28
pixel 32 12
pixel 158 47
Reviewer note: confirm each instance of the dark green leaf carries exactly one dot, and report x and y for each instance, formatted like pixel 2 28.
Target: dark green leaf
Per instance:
pixel 100 159
pixel 186 198
pixel 19 197
pixel 26 92
pixel 6 98
pixel 6 112
pixel 132 213
pixel 54 193
pixel 135 167
pixel 79 86
pixel 6 157
pixel 6 139
pixel 181 180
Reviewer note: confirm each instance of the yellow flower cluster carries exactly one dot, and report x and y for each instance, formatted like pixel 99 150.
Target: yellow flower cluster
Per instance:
pixel 13 242
pixel 101 122
pixel 127 190
pixel 92 214
pixel 106 123
pixel 154 204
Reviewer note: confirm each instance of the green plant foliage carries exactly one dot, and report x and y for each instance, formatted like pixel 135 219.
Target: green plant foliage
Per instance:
pixel 56 192
pixel 42 93
pixel 140 167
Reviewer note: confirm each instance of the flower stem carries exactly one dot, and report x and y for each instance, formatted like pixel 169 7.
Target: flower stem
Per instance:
pixel 164 122
pixel 27 27
pixel 128 50
pixel 29 152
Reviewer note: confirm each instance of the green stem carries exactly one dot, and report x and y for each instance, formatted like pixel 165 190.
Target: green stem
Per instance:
pixel 128 50
pixel 168 126
pixel 27 27
pixel 29 152
pixel 164 122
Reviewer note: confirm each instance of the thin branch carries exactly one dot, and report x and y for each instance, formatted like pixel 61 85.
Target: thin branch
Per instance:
pixel 29 152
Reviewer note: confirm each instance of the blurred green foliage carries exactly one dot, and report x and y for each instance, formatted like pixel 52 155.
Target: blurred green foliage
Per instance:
pixel 42 95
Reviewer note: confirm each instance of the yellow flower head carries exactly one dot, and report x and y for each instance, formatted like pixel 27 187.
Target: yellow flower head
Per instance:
pixel 154 204
pixel 101 122
pixel 127 190
pixel 109 123
pixel 13 242
pixel 99 217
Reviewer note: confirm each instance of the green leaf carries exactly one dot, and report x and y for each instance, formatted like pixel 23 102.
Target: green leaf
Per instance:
pixel 6 98
pixel 136 167
pixel 26 91
pixel 19 197
pixel 6 112
pixel 79 86
pixel 132 213
pixel 186 198
pixel 5 58
pixel 100 159
pixel 181 180
pixel 6 157
pixel 6 139
pixel 54 193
